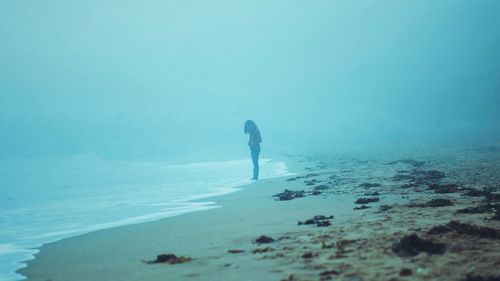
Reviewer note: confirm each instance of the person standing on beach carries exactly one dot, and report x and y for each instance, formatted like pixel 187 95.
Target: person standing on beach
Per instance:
pixel 254 140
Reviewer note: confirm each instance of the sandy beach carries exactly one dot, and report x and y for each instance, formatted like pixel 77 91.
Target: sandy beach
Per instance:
pixel 424 215
pixel 250 140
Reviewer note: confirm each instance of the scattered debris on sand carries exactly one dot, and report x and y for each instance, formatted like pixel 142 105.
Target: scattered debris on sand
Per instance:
pixel 438 202
pixel 311 182
pixel 328 274
pixel 366 200
pixel 473 192
pixel 362 207
pixel 318 220
pixel 309 255
pixel 321 187
pixel 471 277
pixel 465 229
pixel 444 188
pixel 289 195
pixel 424 182
pixel 486 208
pixel 405 272
pixel 168 259
pixel 412 245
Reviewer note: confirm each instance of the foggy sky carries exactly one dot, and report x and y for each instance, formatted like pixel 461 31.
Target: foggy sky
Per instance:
pixel 174 79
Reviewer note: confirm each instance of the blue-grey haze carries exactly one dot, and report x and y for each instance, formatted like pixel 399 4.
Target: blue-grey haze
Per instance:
pixel 177 79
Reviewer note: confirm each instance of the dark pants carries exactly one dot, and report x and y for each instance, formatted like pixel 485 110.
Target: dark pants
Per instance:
pixel 255 151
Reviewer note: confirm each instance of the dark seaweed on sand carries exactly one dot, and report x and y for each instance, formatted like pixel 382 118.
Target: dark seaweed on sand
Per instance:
pixel 444 188
pixel 289 195
pixel 169 259
pixel 366 200
pixel 362 207
pixel 318 220
pixel 412 245
pixel 439 202
pixel 474 277
pixel 465 229
pixel 485 208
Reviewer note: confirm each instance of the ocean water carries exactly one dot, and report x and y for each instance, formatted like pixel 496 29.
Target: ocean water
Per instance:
pixel 45 200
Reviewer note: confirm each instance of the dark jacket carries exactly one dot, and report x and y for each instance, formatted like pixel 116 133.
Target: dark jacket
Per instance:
pixel 254 138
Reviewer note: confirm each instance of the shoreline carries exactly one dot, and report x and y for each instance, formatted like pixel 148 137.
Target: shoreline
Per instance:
pixel 194 203
pixel 357 246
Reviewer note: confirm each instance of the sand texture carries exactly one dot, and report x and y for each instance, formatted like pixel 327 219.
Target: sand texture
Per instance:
pixel 426 215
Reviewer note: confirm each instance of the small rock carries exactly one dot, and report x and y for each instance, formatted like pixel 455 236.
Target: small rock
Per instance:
pixel 264 239
pixel 405 272
pixel 309 255
pixel 366 200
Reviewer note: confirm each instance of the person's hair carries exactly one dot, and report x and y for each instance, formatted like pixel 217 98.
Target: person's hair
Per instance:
pixel 249 126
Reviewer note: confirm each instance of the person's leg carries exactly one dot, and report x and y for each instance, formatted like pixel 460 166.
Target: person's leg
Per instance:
pixel 255 160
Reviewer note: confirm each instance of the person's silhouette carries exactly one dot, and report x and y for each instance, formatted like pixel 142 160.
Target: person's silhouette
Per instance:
pixel 254 140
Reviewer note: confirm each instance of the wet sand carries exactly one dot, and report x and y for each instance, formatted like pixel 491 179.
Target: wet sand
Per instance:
pixel 447 197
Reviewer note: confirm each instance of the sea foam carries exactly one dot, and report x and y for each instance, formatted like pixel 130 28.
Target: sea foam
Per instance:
pixel 45 200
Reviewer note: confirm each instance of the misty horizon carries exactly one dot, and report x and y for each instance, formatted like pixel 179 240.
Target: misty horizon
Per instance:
pixel 172 80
